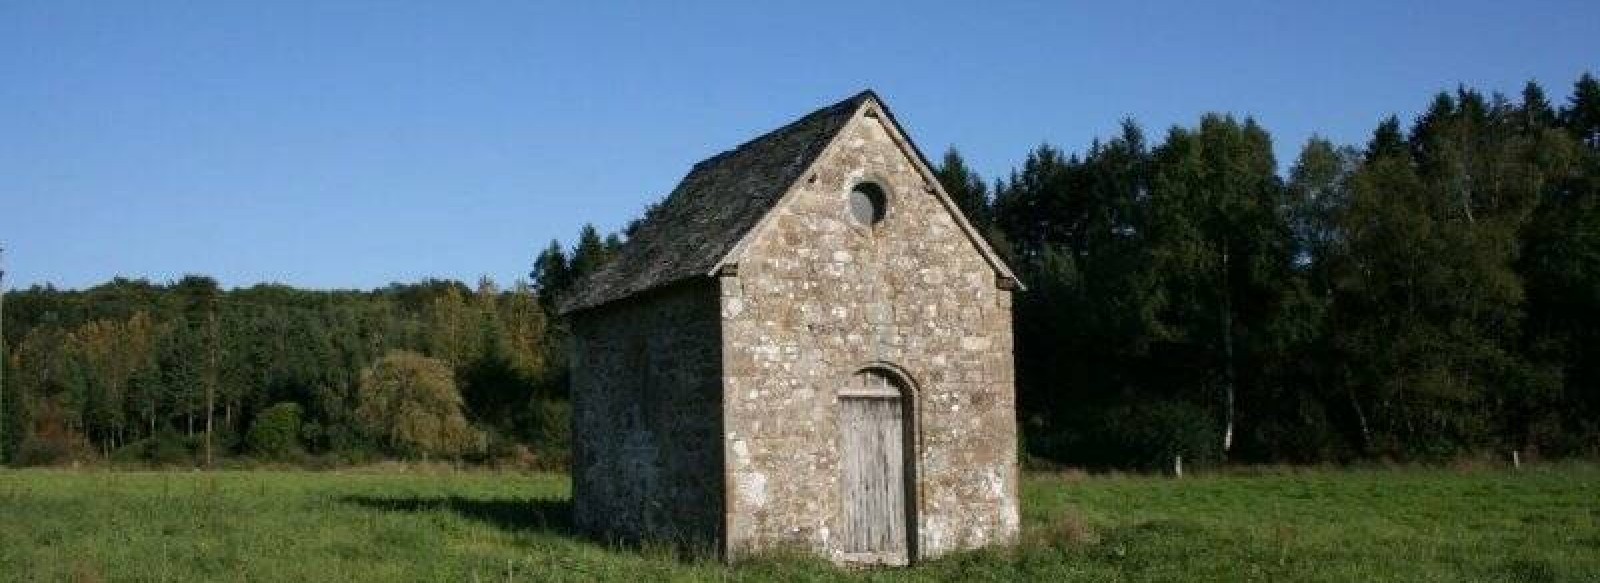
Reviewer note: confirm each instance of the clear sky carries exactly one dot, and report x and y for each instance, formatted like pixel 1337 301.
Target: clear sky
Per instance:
pixel 351 144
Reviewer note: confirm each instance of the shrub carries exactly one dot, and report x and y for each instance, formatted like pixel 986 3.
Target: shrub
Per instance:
pixel 552 427
pixel 276 431
pixel 410 403
pixel 52 443
pixel 165 448
pixel 1144 435
pixel 169 447
pixel 35 451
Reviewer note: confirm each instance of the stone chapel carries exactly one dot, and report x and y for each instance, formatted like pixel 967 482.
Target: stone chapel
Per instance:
pixel 804 346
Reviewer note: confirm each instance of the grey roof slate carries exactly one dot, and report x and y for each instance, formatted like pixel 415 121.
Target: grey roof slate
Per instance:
pixel 721 199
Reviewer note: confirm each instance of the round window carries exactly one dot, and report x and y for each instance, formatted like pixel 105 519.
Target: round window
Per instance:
pixel 867 203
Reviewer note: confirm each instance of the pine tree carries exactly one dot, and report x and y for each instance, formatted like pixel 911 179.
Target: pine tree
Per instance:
pixel 1535 112
pixel 965 188
pixel 590 253
pixel 551 274
pixel 1387 140
pixel 1582 114
pixel 1031 207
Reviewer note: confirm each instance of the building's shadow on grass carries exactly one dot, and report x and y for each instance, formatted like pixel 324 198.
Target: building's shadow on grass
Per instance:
pixel 529 515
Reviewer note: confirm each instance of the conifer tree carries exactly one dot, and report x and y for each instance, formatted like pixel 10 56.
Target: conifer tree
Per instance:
pixel 1582 114
pixel 1387 140
pixel 965 188
pixel 1536 112
pixel 590 253
pixel 551 274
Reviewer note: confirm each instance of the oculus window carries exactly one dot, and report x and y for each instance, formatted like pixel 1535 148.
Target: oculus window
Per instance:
pixel 867 203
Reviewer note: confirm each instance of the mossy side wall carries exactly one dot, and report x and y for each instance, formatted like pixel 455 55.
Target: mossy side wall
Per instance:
pixel 647 409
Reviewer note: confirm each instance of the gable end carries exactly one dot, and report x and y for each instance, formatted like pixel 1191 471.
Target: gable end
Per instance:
pixel 870 107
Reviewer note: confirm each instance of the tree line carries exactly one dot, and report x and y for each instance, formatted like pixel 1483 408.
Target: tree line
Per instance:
pixel 189 373
pixel 1432 293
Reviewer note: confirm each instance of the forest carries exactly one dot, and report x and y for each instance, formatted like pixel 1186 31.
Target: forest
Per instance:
pixel 1431 294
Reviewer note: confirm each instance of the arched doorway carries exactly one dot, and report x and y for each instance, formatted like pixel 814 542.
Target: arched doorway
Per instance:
pixel 875 468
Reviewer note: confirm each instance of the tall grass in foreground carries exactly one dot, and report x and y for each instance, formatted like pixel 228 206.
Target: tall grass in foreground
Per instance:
pixel 1539 524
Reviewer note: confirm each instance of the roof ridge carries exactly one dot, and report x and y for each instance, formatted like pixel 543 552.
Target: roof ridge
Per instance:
pixel 712 207
pixel 852 101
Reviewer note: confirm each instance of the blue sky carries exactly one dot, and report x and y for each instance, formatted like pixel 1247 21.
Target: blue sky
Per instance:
pixel 349 144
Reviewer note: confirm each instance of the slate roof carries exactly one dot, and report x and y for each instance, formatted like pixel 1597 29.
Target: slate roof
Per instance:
pixel 721 199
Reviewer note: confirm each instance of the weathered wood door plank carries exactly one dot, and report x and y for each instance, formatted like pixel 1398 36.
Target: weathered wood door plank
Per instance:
pixel 872 432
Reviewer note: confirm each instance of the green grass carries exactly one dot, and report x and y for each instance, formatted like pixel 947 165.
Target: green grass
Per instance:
pixel 1540 524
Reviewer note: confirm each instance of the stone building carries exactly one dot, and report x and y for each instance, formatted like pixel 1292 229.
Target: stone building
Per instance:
pixel 804 346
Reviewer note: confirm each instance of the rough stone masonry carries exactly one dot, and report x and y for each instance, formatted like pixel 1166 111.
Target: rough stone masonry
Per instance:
pixel 805 346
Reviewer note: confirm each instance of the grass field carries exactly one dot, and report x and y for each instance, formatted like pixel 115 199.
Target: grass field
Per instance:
pixel 1540 524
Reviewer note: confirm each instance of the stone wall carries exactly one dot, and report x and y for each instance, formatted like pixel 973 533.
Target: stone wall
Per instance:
pixel 817 297
pixel 647 403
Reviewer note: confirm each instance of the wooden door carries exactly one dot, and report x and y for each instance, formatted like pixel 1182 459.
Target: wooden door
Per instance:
pixel 873 469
